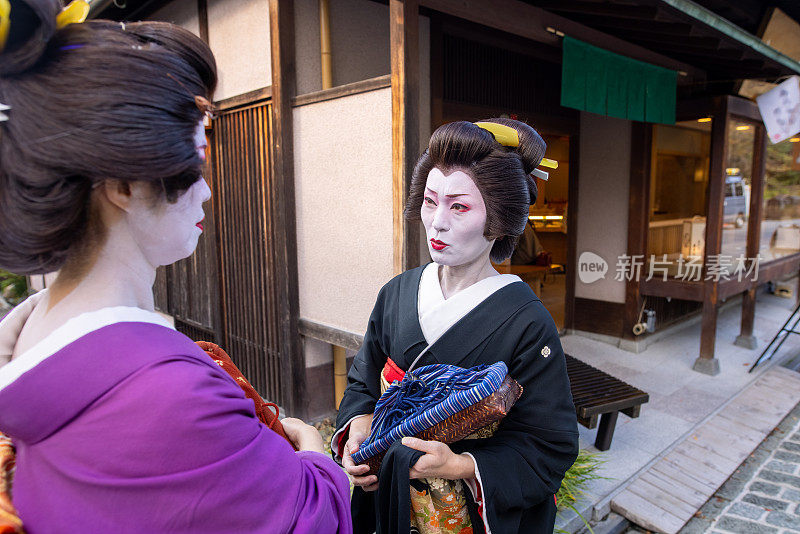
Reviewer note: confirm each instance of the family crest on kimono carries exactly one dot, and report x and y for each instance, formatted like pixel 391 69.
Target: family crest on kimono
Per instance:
pixel 120 423
pixel 472 189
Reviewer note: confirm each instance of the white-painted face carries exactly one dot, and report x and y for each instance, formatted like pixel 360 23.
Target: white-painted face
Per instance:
pixel 167 232
pixel 454 216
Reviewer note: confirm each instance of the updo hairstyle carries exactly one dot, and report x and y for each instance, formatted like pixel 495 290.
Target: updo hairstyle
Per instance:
pixel 90 101
pixel 502 175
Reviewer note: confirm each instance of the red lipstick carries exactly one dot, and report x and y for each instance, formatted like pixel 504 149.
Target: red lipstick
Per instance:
pixel 200 225
pixel 438 245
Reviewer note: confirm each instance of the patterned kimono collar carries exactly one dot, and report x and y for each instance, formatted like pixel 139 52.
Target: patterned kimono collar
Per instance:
pixel 437 314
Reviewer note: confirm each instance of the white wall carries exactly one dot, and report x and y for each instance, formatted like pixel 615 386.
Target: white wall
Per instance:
pixel 180 12
pixel 343 192
pixel 238 33
pixel 604 182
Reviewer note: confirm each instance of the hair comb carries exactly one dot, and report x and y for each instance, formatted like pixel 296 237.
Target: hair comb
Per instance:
pixel 75 13
pixel 505 135
pixel 5 22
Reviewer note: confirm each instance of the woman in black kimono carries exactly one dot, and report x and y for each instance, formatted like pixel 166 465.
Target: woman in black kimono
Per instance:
pixel 472 189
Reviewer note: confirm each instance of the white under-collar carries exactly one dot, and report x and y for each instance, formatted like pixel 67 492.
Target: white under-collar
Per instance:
pixel 72 330
pixel 437 314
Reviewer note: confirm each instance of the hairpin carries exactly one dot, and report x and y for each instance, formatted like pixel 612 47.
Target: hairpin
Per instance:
pixel 5 22
pixel 546 162
pixel 202 103
pixel 75 13
pixel 505 135
pixel 3 116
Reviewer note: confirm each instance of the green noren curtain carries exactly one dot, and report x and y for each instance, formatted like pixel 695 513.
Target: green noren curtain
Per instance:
pixel 602 82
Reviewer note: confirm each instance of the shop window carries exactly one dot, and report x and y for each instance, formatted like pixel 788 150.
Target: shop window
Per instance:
pixel 738 179
pixel 780 223
pixel 678 190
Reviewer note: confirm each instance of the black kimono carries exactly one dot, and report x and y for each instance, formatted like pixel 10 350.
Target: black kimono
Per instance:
pixel 522 464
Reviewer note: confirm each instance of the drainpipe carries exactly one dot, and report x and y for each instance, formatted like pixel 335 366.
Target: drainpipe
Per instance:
pixel 339 374
pixel 325 44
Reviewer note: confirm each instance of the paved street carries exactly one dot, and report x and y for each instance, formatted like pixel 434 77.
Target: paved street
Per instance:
pixel 763 495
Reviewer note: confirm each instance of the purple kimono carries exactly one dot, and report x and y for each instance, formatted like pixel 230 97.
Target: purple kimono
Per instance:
pixel 124 425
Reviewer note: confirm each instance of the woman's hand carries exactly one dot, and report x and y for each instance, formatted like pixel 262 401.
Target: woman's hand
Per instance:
pixel 359 431
pixel 439 461
pixel 304 437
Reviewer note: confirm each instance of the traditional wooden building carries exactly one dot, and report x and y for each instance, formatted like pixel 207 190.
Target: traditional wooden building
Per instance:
pixel 325 105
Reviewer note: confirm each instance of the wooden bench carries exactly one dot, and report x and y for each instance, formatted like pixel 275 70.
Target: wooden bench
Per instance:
pixel 597 393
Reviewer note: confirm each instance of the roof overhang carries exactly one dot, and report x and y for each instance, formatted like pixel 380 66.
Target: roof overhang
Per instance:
pixel 684 31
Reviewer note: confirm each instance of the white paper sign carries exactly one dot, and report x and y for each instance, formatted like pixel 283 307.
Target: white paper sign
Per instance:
pixel 780 109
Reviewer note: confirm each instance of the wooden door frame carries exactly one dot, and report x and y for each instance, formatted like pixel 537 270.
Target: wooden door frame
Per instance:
pixel 282 44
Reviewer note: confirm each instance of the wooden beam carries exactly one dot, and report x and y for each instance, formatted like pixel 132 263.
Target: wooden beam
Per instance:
pixel 329 334
pixel 350 89
pixel 293 372
pixel 404 51
pixel 245 99
pixel 706 363
pixel 697 45
pixel 655 27
pixel 743 107
pixel 638 217
pixel 594 8
pixel 202 19
pixel 778 268
pixel 525 20
pixel 672 288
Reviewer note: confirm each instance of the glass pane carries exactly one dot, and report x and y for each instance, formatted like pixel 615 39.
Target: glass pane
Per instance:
pixel 780 224
pixel 738 175
pixel 678 188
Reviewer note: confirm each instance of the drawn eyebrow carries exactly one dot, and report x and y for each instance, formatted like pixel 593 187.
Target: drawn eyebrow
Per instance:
pixel 457 195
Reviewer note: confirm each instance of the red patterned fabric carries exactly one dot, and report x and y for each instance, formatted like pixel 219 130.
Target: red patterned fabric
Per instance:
pixel 9 521
pixel 264 410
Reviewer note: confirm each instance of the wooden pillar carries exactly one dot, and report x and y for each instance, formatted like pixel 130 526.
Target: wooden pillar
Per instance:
pixel 638 220
pixel 746 338
pixel 281 25
pixel 573 190
pixel 404 50
pixel 202 19
pixel 706 362
pixel 437 72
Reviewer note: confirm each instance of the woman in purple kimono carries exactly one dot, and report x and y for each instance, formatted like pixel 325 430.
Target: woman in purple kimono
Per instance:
pixel 121 424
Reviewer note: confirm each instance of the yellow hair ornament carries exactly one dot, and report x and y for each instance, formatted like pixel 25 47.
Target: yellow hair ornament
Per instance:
pixel 505 135
pixel 74 13
pixel 5 22
pixel 549 163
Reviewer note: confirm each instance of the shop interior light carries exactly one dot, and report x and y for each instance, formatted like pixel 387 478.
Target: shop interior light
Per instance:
pixel 794 140
pixel 742 128
pixel 732 171
pixel 704 119
pixel 546 217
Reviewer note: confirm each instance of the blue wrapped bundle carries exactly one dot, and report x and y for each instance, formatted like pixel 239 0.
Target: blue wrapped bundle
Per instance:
pixel 438 402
